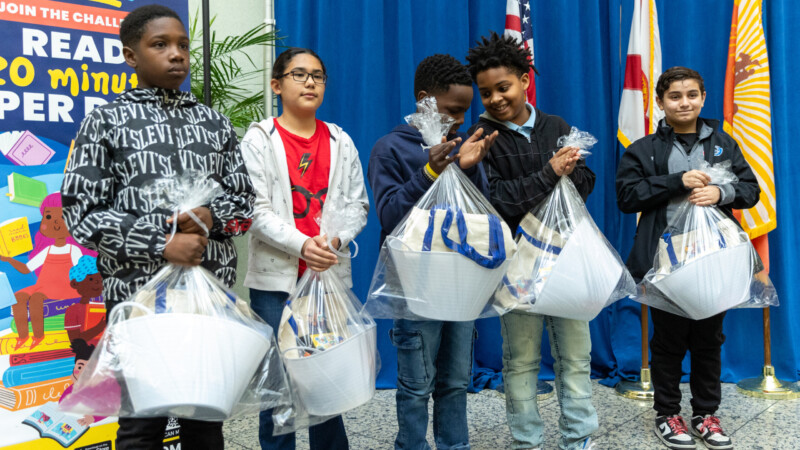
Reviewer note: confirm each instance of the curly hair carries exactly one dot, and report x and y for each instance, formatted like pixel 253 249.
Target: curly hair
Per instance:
pixel 499 51
pixel 81 349
pixel 677 73
pixel 436 73
pixel 132 28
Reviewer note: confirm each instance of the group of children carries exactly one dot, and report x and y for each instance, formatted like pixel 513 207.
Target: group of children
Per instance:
pixel 287 166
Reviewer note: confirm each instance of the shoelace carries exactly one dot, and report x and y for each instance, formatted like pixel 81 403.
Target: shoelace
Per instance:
pixel 712 424
pixel 677 425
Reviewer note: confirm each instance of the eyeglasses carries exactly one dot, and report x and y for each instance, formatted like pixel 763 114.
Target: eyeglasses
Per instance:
pixel 302 77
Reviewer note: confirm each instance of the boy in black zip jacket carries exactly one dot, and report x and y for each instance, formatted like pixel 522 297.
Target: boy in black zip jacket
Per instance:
pixel 433 357
pixel 148 133
pixel 523 167
pixel 653 179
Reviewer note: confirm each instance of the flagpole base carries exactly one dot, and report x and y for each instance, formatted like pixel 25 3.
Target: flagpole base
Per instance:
pixel 637 390
pixel 544 390
pixel 768 386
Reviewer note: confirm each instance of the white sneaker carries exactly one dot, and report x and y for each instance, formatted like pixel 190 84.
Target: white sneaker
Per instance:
pixel 673 432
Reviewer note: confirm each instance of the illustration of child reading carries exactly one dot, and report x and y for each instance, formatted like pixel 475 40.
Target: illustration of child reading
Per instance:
pixel 86 319
pixel 54 253
pixel 53 423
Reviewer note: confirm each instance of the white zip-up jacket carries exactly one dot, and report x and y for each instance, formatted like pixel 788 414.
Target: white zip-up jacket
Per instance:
pixel 275 242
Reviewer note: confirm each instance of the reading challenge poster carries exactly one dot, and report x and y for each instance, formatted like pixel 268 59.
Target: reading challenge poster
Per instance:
pixel 58 61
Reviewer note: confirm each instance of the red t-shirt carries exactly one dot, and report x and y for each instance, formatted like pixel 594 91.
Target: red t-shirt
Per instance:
pixel 309 163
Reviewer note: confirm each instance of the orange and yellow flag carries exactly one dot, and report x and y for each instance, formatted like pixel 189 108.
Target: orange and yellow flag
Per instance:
pixel 747 112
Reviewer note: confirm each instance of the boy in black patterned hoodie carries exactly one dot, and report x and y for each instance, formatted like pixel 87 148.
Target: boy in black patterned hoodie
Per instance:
pixel 147 133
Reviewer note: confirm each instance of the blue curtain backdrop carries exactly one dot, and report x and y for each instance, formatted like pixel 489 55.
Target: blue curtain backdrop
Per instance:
pixel 371 49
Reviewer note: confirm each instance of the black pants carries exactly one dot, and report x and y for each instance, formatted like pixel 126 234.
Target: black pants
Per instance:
pixel 148 434
pixel 672 336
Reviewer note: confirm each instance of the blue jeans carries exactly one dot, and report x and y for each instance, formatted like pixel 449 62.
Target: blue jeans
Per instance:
pixel 570 345
pixel 329 435
pixel 433 358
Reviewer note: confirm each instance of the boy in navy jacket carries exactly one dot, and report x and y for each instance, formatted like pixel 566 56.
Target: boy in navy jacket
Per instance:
pixel 433 357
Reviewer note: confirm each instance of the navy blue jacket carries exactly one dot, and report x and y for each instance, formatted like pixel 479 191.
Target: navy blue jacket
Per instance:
pixel 396 175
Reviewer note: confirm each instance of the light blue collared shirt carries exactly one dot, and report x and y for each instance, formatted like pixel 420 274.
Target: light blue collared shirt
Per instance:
pixel 526 128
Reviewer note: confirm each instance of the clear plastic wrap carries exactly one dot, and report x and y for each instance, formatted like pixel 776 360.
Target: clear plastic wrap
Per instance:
pixel 446 257
pixel 430 122
pixel 564 266
pixel 328 343
pixel 181 193
pixel 705 263
pixel 183 345
pixel 583 140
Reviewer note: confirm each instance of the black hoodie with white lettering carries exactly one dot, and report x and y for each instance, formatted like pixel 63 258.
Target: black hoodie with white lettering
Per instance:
pixel 143 135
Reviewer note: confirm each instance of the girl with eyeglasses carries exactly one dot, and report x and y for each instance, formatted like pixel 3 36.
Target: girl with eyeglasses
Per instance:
pixel 296 161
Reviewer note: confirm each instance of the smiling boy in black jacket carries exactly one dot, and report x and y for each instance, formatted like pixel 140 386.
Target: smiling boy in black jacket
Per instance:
pixel 653 179
pixel 147 133
pixel 523 167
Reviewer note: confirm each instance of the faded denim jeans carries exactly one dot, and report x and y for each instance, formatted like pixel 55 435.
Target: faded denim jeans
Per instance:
pixel 570 345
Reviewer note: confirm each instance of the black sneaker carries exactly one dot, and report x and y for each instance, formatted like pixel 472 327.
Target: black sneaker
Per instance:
pixel 673 432
pixel 710 431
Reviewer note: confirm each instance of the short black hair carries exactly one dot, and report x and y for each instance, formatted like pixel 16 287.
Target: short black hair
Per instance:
pixel 283 60
pixel 497 51
pixel 132 28
pixel 81 349
pixel 677 73
pixel 436 73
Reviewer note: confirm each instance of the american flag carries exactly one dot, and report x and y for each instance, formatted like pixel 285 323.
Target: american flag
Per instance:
pixel 519 26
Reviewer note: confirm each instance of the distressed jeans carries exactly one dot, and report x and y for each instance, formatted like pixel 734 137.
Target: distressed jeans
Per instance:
pixel 570 345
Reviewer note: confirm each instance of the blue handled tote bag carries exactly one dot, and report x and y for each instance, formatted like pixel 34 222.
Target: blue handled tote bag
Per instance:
pixel 446 258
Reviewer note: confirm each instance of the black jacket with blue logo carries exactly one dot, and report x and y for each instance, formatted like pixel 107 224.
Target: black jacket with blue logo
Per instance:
pixel 645 185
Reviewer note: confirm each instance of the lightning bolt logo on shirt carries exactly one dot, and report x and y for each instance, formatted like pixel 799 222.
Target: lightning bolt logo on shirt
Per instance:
pixel 305 160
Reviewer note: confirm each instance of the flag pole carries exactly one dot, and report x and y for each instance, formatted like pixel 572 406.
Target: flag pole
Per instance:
pixel 768 386
pixel 642 389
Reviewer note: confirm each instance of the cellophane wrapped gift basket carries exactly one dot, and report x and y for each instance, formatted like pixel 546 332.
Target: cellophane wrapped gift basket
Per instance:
pixel 564 266
pixel 705 263
pixel 448 255
pixel 328 343
pixel 183 345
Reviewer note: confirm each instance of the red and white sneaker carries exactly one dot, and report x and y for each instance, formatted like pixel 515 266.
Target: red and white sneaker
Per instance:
pixel 673 432
pixel 710 431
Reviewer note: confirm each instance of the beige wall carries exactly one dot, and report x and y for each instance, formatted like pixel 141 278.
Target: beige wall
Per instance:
pixel 232 17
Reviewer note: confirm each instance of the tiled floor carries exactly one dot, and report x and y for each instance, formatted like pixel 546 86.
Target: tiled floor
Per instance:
pixel 624 424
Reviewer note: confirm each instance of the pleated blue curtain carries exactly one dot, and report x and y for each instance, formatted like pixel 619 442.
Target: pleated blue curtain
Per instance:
pixel 371 49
